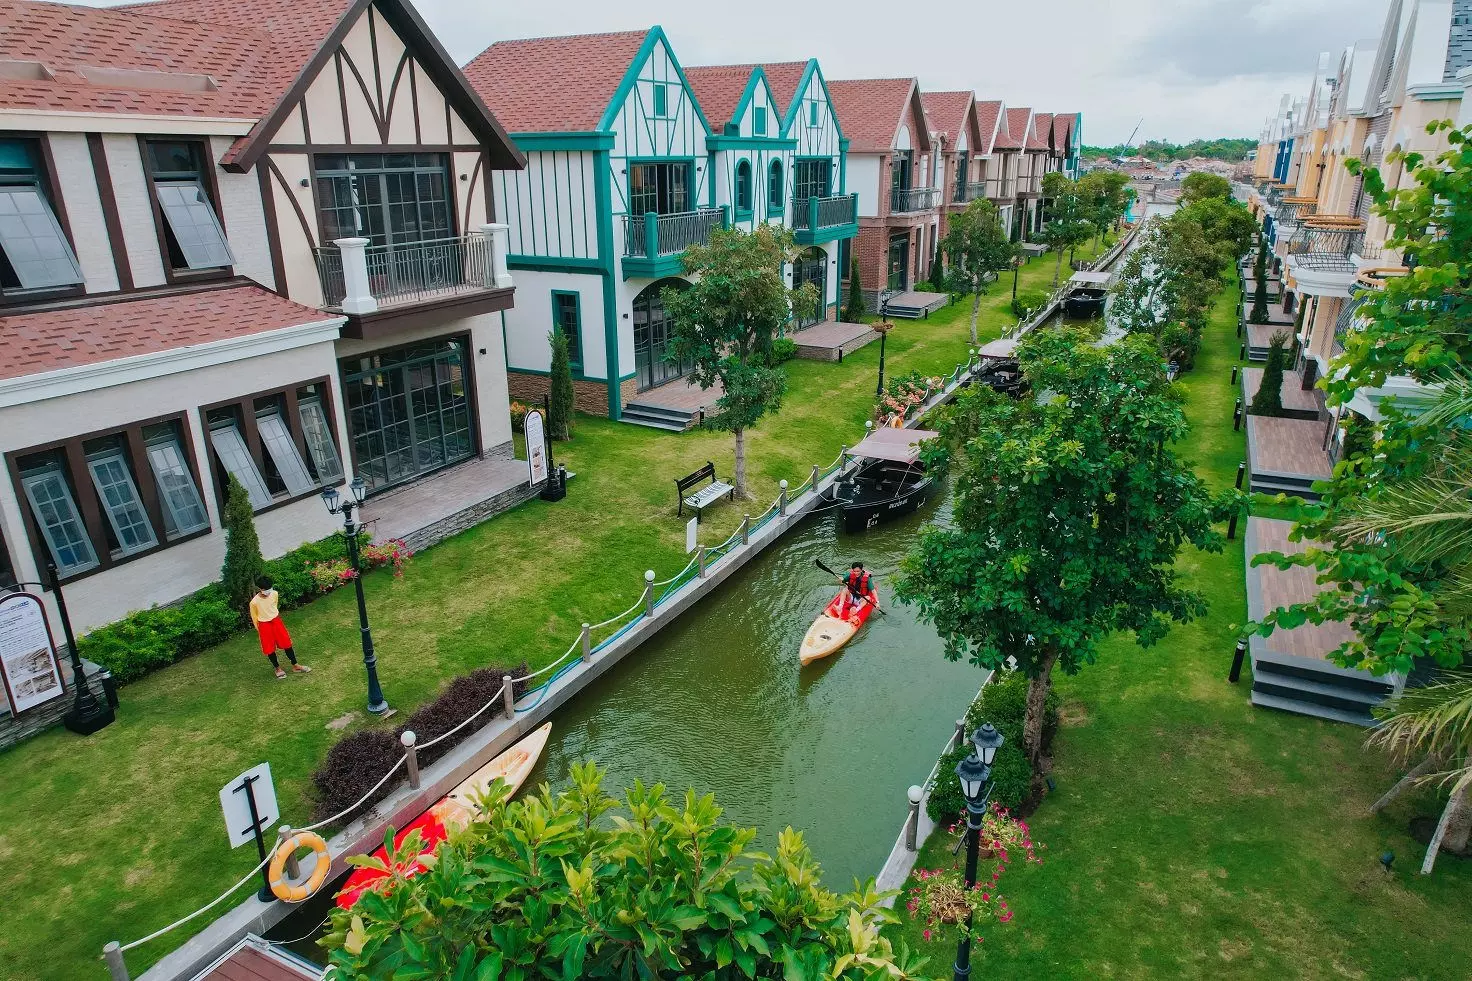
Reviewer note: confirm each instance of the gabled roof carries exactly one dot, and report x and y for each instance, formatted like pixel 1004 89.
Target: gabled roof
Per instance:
pixel 555 84
pixel 1065 125
pixel 722 90
pixel 1040 136
pixel 949 114
pixel 1014 129
pixel 871 110
pixel 988 117
pixel 246 59
pixel 69 337
pixel 786 79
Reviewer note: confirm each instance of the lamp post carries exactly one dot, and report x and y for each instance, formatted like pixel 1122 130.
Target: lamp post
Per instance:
pixel 1016 267
pixel 883 327
pixel 347 507
pixel 975 774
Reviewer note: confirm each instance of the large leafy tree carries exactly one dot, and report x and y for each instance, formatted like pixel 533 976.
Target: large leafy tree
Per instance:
pixel 1106 195
pixel 1070 512
pixel 977 249
pixel 1068 222
pixel 577 885
pixel 725 323
pixel 1202 186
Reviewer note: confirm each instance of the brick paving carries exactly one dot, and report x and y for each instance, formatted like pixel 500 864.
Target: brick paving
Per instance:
pixel 406 511
pixel 823 342
pixel 1282 587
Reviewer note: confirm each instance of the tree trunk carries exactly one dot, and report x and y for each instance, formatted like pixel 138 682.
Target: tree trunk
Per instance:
pixel 1058 266
pixel 1038 686
pixel 739 477
pixel 1453 830
pixel 975 306
pixel 1417 772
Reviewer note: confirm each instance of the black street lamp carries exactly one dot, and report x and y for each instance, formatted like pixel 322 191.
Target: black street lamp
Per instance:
pixel 883 327
pixel 1016 266
pixel 337 504
pixel 975 774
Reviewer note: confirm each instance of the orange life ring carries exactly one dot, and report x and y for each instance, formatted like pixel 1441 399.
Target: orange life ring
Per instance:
pixel 295 892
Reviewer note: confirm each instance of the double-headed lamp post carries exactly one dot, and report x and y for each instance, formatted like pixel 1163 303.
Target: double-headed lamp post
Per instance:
pixel 347 507
pixel 883 327
pixel 975 774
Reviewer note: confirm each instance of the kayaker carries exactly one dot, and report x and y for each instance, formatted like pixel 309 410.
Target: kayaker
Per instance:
pixel 858 592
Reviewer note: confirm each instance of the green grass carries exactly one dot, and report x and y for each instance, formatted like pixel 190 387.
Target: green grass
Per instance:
pixel 1193 835
pixel 113 836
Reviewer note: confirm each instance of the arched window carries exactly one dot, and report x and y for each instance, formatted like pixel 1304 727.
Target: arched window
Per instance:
pixel 653 333
pixel 743 186
pixel 774 188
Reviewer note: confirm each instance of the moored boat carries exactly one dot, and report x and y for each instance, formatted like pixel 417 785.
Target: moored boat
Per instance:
pixel 890 482
pixel 1087 291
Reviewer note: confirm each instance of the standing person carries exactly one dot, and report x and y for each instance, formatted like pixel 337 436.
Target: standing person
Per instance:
pixel 856 593
pixel 265 613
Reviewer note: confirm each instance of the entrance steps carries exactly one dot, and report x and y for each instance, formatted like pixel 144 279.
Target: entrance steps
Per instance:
pixel 660 417
pixel 1309 687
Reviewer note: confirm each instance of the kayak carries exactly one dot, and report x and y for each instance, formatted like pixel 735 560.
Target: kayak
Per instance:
pixel 830 632
pixel 453 811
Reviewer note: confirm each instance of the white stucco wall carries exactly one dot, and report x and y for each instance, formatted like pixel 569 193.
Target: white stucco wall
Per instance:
pixel 77 185
pixel 864 173
pixel 529 321
pixel 135 208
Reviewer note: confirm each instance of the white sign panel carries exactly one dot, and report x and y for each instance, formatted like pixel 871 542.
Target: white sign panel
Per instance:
pixel 27 656
pixel 692 530
pixel 536 446
pixel 237 808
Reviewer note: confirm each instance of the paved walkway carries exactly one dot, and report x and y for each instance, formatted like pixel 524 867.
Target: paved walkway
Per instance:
pixel 1271 588
pixel 827 341
pixel 1295 396
pixel 401 512
pixel 1288 447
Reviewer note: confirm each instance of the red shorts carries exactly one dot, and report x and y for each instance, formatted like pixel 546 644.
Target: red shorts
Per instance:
pixel 273 635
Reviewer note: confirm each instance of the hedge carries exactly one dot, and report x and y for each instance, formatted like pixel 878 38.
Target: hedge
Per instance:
pixel 1003 703
pixel 147 640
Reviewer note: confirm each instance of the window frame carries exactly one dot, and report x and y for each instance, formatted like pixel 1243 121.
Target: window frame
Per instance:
pixel 758 120
pixel 245 414
pixel 90 509
pixel 743 166
pixel 46 181
pixel 813 113
pixel 776 187
pixel 659 101
pixel 209 181
pixel 574 362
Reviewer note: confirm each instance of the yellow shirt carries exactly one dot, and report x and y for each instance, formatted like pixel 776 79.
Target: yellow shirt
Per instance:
pixel 264 606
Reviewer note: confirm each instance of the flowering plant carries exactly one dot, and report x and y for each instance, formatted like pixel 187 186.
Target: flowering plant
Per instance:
pixel 518 416
pixel 331 574
pixel 392 552
pixel 942 900
pixel 905 393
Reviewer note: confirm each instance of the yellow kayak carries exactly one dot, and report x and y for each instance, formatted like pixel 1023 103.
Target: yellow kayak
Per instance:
pixel 830 632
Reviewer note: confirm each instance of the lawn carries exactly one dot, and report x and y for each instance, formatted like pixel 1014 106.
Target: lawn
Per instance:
pixel 1193 835
pixel 113 836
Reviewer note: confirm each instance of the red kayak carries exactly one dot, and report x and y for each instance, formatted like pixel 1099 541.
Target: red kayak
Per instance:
pixel 831 631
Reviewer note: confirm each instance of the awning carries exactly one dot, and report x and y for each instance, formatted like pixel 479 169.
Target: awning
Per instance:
pixel 896 445
pixel 1090 277
pixel 1005 347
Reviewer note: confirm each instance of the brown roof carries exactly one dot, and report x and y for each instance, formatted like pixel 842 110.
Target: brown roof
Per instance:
pixel 719 88
pixel 554 84
pixel 1038 138
pixel 784 78
pixel 1014 129
pixel 68 337
pixel 1063 129
pixel 986 121
pixel 870 111
pixel 948 112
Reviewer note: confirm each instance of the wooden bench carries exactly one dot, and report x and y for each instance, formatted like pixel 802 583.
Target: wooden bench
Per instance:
pixel 704 497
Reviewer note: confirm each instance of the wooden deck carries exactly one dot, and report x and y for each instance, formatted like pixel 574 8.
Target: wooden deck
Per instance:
pixel 253 959
pixel 1295 397
pixel 679 395
pixel 911 305
pixel 1287 447
pixel 832 340
pixel 1269 588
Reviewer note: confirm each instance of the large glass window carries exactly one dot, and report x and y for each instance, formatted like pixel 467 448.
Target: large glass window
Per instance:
pixel 286 467
pixel 409 410
pixel 387 198
pixel 566 319
pixel 192 230
pixel 55 509
pixel 235 458
pixel 317 432
pixel 774 188
pixel 126 519
pixel 653 332
pixel 900 176
pixel 811 179
pixel 663 188
pixel 34 253
pixel 183 510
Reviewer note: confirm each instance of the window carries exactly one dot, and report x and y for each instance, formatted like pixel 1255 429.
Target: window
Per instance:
pixel 566 320
pixel 663 188
pixel 191 229
pixel 409 410
pixel 899 170
pixel 56 512
pixel 774 188
pixel 131 530
pixel 963 165
pixel 387 198
pixel 34 253
pixel 812 113
pixel 183 510
pixel 743 186
pixel 284 462
pixel 811 179
pixel 279 445
pixel 234 456
pixel 7 568
pixel 759 121
pixel 661 100
pixel 321 450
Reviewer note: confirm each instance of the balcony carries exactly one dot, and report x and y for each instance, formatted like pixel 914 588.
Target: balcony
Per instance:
pixel 1324 259
pixel 383 288
pixel 655 244
pixel 904 200
pixel 1290 213
pixel 966 193
pixel 817 220
pixel 1002 188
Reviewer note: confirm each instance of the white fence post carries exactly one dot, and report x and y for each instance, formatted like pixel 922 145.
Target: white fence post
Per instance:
pixel 499 236
pixel 411 757
pixel 508 696
pixel 357 295
pixel 587 643
pixel 112 953
pixel 649 593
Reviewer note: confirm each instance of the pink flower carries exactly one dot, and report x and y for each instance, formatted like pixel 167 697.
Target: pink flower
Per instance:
pixel 927 934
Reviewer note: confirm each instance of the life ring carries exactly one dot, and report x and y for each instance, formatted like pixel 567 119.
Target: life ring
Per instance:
pixel 295 892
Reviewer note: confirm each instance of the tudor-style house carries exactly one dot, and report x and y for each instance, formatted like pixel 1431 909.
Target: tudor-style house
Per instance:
pixel 628 167
pixel 1005 187
pixel 246 239
pixel 893 167
pixel 954 120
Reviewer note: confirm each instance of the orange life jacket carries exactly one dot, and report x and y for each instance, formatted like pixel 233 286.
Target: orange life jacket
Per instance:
pixel 858 582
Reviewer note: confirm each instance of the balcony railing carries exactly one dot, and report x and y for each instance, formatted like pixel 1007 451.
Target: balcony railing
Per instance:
pixel 813 213
pixel 1349 316
pixel 654 235
pixel 903 199
pixel 970 192
pixel 1002 188
pixel 1330 249
pixel 357 277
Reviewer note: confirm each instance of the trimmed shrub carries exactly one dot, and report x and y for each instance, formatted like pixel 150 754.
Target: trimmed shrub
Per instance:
pixel 1269 398
pixel 243 562
pixel 937 272
pixel 853 309
pixel 561 400
pixel 460 700
pixel 1027 301
pixel 783 349
pixel 355 763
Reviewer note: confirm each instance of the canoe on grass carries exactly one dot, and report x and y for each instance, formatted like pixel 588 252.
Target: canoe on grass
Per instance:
pixel 454 810
pixel 829 633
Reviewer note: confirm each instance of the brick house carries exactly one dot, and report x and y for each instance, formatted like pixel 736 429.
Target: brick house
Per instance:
pixel 962 148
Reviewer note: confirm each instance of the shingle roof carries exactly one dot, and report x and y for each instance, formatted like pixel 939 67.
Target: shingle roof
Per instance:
pixel 553 84
pixel 986 121
pixel 718 89
pixel 784 78
pixel 1014 129
pixel 870 111
pixel 948 112
pixel 1038 138
pixel 49 340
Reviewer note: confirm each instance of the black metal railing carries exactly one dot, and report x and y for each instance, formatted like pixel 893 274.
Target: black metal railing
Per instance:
pixel 903 199
pixel 654 235
pixel 1002 188
pixel 1349 315
pixel 1330 249
pixel 971 191
pixel 812 213
pixel 412 271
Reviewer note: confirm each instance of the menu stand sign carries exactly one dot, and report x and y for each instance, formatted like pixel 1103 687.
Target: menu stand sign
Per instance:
pixel 28 663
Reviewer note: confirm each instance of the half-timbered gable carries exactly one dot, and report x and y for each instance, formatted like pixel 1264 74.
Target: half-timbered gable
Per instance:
pixel 750 158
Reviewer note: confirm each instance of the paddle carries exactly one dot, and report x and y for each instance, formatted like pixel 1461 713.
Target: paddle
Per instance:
pixel 819 562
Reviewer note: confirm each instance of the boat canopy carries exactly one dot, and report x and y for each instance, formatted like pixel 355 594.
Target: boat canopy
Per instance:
pixel 895 445
pixel 1003 347
pixel 1090 277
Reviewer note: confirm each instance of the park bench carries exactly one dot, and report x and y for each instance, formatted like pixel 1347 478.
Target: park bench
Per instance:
pixel 707 495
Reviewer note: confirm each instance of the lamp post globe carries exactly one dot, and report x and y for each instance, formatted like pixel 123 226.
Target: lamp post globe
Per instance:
pixel 973 775
pixel 987 740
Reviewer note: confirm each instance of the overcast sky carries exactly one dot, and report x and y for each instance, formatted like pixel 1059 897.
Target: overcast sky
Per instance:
pixel 1189 68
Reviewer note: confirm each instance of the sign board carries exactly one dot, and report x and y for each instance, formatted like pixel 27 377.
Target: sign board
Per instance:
pixel 236 805
pixel 28 664
pixel 536 446
pixel 692 530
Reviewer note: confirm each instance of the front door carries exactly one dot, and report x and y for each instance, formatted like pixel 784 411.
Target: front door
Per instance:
pixel 899 262
pixel 653 332
pixel 812 267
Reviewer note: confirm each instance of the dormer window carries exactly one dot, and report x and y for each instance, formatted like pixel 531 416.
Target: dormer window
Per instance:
pixel 759 121
pixel 34 252
pixel 190 226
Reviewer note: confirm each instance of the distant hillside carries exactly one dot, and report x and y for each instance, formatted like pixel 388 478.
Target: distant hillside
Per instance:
pixel 1163 150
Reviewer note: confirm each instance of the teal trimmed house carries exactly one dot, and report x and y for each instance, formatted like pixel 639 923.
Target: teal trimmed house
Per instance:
pixel 630 160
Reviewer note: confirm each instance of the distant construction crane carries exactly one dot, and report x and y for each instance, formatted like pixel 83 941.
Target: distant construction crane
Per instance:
pixel 1131 140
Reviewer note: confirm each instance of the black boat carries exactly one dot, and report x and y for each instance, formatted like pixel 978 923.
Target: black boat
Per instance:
pixel 890 482
pixel 1000 369
pixel 1084 303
